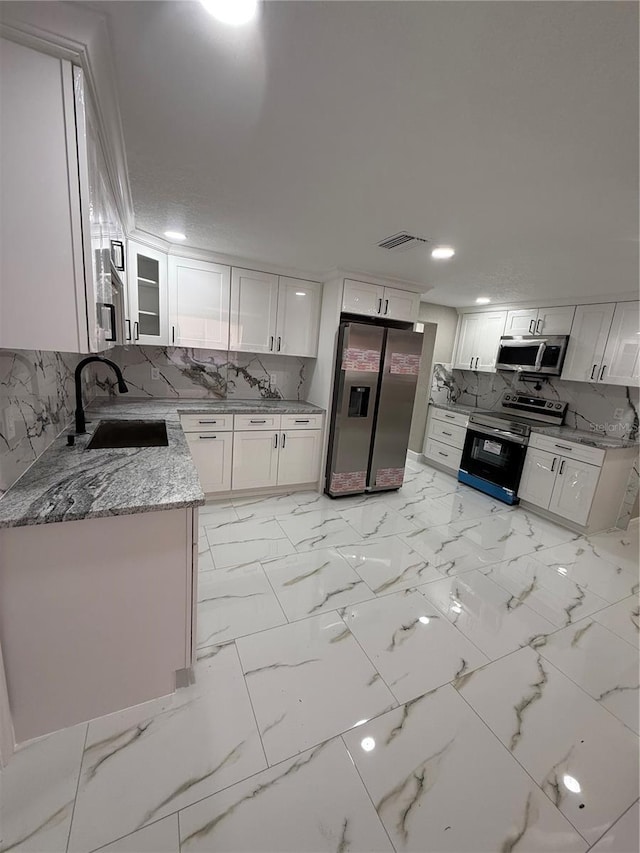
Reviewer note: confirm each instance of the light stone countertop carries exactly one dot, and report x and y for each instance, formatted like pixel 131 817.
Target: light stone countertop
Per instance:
pixel 73 483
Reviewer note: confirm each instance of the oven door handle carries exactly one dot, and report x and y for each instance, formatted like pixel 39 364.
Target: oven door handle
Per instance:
pixel 539 357
pixel 499 433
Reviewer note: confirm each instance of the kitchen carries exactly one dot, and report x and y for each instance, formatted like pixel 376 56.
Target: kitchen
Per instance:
pixel 183 600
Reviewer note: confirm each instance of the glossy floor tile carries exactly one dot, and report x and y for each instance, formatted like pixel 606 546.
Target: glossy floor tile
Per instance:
pixel 369 678
pixel 315 581
pixel 602 664
pixel 441 781
pixel 583 758
pixel 309 681
pixel 234 602
pixel 413 647
pixel 314 802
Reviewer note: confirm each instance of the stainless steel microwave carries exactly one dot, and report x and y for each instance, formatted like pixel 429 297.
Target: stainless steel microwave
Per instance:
pixel 540 354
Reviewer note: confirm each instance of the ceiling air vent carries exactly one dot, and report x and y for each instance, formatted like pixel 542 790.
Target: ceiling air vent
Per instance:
pixel 401 242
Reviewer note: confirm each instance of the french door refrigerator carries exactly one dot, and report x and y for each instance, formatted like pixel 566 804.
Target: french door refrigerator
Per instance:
pixel 374 388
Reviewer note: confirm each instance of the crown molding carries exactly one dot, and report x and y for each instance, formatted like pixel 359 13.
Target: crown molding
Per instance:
pixel 628 296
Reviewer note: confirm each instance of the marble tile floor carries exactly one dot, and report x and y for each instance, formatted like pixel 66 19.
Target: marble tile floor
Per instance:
pixel 423 670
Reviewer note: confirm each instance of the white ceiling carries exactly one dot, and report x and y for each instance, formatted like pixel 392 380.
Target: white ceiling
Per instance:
pixel 509 130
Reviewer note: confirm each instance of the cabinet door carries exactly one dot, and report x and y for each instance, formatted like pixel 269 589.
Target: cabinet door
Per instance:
pixel 362 298
pixel 587 342
pixel 400 304
pixel 298 317
pixel 148 296
pixel 538 477
pixel 299 459
pixel 620 362
pixel 254 306
pixel 211 453
pixel 555 321
pixel 467 340
pixel 521 322
pixel 490 330
pixel 199 298
pixel 255 459
pixel 574 489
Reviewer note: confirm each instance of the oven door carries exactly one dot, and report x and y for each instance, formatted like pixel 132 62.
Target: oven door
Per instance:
pixel 492 461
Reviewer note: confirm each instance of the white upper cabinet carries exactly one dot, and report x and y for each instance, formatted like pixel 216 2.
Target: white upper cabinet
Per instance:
pixel 587 343
pixel 362 298
pixel 540 321
pixel 374 300
pixel 148 296
pixel 620 362
pixel 199 295
pixel 54 296
pixel 274 314
pixel 254 309
pixel 298 318
pixel 478 339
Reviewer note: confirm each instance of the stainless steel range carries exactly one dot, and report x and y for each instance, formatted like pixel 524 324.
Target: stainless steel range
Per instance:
pixel 496 443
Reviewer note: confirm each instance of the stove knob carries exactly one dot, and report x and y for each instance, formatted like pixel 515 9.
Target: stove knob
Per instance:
pixel 549 405
pixel 558 405
pixel 507 396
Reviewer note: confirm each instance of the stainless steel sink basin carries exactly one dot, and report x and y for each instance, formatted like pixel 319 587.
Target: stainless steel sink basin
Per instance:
pixel 129 434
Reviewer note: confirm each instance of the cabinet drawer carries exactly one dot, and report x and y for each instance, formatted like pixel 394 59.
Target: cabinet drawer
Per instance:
pixel 249 422
pixel 568 449
pixel 443 453
pixel 457 418
pixel 207 423
pixel 447 433
pixel 302 421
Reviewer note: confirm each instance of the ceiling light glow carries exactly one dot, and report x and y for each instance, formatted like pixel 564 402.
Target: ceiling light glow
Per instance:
pixel 175 235
pixel 443 253
pixel 233 12
pixel 368 743
pixel 424 620
pixel 571 784
pixel 483 300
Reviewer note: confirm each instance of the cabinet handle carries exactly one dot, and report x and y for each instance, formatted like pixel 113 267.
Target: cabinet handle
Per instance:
pixel 440 453
pixel 276 438
pixel 271 343
pixel 444 432
pixel 553 464
pixel 379 305
pixel 451 417
pixel 386 306
pixel 306 421
pixel 207 422
pixel 531 326
pixel 173 334
pixel 561 467
pixel 279 341
pixel 471 364
pixel 136 331
pixel 563 447
pixel 604 367
pixel 538 327
pixel 207 436
pixel 284 439
pixel 128 323
pixel 258 422
pixel 593 370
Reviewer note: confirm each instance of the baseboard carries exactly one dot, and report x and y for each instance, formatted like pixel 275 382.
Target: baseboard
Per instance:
pixel 414 457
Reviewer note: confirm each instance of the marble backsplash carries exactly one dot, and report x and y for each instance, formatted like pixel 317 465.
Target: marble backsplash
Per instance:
pixel 37 402
pixel 209 374
pixel 605 409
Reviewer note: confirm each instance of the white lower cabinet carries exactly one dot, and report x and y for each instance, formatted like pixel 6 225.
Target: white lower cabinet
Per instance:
pixel 299 457
pixel 538 477
pixel 212 454
pixel 445 437
pixel 255 459
pixel 574 490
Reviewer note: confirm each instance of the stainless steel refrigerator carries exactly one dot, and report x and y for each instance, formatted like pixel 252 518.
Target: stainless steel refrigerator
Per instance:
pixel 375 383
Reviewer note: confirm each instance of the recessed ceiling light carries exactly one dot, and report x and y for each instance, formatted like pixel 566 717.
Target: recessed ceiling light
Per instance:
pixel 234 12
pixel 175 235
pixel 483 300
pixel 443 253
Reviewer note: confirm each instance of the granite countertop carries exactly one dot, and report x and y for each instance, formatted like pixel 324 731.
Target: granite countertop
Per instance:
pixel 592 439
pixel 71 483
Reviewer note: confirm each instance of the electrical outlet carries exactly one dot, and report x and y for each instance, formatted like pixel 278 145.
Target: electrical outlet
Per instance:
pixel 618 414
pixel 9 424
pixel 155 373
pixel 273 379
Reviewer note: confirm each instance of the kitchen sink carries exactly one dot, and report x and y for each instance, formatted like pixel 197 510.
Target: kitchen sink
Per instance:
pixel 129 434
